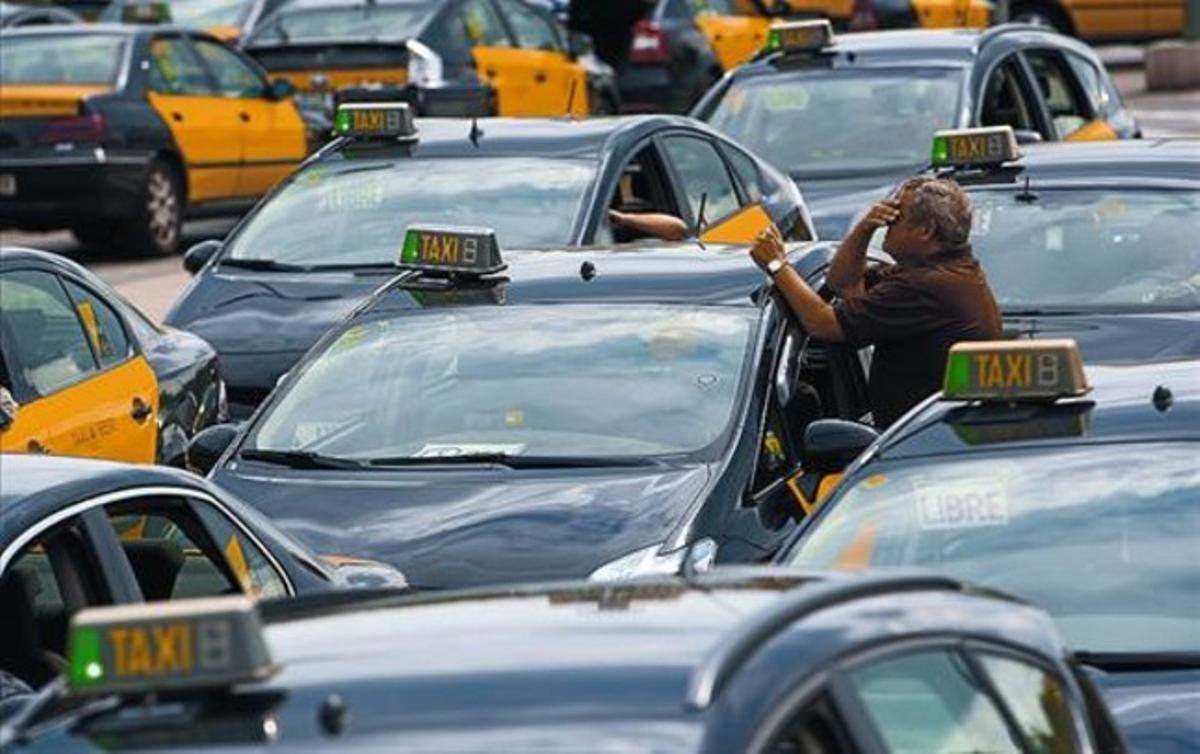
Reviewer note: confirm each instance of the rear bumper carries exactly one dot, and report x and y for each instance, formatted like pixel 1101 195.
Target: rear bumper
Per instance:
pixel 63 191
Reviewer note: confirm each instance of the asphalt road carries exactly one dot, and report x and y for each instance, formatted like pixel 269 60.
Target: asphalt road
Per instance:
pixel 153 284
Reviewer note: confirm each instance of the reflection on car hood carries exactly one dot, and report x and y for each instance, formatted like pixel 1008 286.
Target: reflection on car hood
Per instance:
pixel 1119 338
pixel 463 526
pixel 1157 711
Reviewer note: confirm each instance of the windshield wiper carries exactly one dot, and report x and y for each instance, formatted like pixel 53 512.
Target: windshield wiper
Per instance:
pixel 511 461
pixel 1133 661
pixel 269 265
pixel 298 459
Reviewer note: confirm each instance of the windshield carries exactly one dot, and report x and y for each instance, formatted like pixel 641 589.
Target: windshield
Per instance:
pixel 364 22
pixel 1104 538
pixel 61 59
pixel 1090 247
pixel 563 381
pixel 200 14
pixel 357 213
pixel 840 121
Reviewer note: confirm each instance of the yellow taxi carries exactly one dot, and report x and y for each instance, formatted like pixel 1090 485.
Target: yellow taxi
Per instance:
pixel 1115 19
pixel 735 34
pixel 84 373
pixel 117 132
pixel 863 15
pixel 227 20
pixel 445 57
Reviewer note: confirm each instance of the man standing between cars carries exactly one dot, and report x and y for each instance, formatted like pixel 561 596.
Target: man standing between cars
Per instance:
pixel 913 311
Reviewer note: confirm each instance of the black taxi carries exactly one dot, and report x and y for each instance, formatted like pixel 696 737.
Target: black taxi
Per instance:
pixel 849 116
pixel 328 236
pixel 1073 488
pixel 599 413
pixel 117 132
pixel 747 661
pixel 1094 242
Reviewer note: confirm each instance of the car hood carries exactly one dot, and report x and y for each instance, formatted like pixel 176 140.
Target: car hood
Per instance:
pixel 1118 338
pixel 1157 711
pixel 468 527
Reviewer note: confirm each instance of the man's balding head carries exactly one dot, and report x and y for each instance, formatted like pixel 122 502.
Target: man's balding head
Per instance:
pixel 940 205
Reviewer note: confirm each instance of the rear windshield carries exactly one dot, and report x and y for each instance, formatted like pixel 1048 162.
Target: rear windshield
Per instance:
pixel 357 22
pixel 61 59
pixel 201 14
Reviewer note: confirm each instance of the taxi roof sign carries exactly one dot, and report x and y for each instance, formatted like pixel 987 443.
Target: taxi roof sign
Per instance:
pixel 1014 370
pixel 145 13
pixel 799 36
pixel 201 643
pixel 973 147
pixel 374 120
pixel 451 251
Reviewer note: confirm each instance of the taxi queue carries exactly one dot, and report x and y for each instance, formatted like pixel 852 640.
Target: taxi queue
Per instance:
pixel 640 416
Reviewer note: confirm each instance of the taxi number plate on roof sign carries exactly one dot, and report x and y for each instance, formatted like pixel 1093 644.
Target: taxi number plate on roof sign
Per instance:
pixel 466 251
pixel 1014 370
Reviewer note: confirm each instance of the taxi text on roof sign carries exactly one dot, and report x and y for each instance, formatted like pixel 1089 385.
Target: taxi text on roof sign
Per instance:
pixel 200 643
pixel 145 13
pixel 1013 370
pixel 975 146
pixel 800 36
pixel 374 120
pixel 461 251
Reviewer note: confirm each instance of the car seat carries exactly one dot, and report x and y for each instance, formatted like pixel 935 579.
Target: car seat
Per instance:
pixel 156 563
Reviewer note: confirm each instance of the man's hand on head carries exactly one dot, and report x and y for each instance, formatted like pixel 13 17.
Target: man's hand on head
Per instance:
pixel 881 215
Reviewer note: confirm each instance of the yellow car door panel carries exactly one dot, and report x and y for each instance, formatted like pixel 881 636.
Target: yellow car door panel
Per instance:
pixel 946 14
pixel 1096 19
pixel 512 74
pixel 740 228
pixel 735 39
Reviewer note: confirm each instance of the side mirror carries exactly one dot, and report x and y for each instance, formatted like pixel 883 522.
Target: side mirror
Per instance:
pixel 1028 137
pixel 281 89
pixel 579 44
pixel 830 445
pixel 198 255
pixel 207 446
pixel 8 409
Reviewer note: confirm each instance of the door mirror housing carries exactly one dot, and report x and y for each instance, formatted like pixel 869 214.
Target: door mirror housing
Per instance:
pixel 281 89
pixel 1028 137
pixel 8 409
pixel 198 255
pixel 208 444
pixel 830 445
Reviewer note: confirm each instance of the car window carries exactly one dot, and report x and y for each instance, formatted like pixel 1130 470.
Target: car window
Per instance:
pixel 484 27
pixel 61 59
pixel 170 553
pixel 748 173
pixel 816 728
pixel 203 14
pixel 533 30
pixel 1091 81
pixel 235 77
pixel 779 446
pixel 1006 101
pixel 45 338
pixel 175 69
pixel 1037 701
pixel 704 177
pixel 1068 110
pixel 930 701
pixel 249 564
pixel 341 22
pixel 102 325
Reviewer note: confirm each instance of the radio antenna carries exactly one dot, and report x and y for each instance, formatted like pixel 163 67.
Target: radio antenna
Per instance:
pixel 476 132
pixel 571 100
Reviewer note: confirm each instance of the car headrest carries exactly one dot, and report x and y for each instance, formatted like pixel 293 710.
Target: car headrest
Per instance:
pixel 156 564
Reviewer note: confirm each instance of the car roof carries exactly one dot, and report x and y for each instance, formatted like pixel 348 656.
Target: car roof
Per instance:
pixel 101 28
pixel 36 486
pixel 682 273
pixel 1121 407
pixel 549 137
pixel 1125 161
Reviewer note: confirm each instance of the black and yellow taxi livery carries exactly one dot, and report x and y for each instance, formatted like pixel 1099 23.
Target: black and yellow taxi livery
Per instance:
pixel 864 15
pixel 87 374
pixel 227 20
pixel 445 57
pixel 117 132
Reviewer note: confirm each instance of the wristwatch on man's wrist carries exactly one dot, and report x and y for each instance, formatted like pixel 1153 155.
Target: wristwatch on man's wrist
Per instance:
pixel 774 266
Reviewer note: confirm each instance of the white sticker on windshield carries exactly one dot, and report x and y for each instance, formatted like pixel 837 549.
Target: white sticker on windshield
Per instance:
pixel 962 504
pixel 981 221
pixel 448 450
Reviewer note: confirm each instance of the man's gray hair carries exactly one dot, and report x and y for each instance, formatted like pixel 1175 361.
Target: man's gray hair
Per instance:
pixel 941 204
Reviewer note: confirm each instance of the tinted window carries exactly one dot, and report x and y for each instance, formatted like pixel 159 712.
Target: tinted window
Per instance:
pixel 484 27
pixel 885 119
pixel 814 729
pixel 248 563
pixel 357 213
pixel 1005 101
pixel 170 555
pixel 234 76
pixel 705 178
pixel 1090 81
pixel 563 381
pixel 1037 701
pixel 930 702
pixel 102 325
pixel 1068 111
pixel 533 30
pixel 61 59
pixel 175 69
pixel 45 337
pixel 748 173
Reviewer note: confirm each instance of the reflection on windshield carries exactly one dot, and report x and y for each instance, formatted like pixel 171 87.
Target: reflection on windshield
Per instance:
pixel 841 121
pixel 357 214
pixel 204 13
pixel 357 22
pixel 561 382
pixel 1105 547
pixel 1090 248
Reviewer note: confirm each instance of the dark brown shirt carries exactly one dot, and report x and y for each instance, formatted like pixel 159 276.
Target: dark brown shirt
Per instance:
pixel 912 314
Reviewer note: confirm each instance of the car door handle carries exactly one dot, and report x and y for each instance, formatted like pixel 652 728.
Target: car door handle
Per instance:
pixel 177 117
pixel 540 77
pixel 490 73
pixel 36 447
pixel 245 117
pixel 141 410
